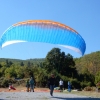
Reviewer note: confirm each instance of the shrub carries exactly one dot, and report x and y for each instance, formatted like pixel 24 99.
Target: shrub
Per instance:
pixel 75 83
pixel 88 88
pixel 4 83
pixel 85 84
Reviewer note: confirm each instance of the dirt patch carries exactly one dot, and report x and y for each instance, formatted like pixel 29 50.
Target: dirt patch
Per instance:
pixel 23 89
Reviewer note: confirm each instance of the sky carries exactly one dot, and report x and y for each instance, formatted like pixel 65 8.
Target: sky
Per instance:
pixel 81 15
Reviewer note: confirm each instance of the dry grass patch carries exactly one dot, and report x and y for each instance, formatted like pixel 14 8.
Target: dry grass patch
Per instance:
pixel 87 93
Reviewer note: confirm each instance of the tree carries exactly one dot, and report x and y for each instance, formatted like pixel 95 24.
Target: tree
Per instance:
pixel 57 60
pixel 40 76
pixel 68 67
pixel 10 72
pixel 8 63
pixel 28 64
pixel 0 66
pixel 97 77
pixel 21 64
pixel 19 71
pixel 52 60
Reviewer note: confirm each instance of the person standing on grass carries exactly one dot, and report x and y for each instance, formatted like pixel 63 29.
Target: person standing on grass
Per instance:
pixel 51 84
pixel 69 86
pixel 31 82
pixel 61 85
pixel 27 85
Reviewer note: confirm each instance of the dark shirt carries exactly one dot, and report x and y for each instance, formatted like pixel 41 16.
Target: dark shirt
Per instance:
pixel 51 81
pixel 31 82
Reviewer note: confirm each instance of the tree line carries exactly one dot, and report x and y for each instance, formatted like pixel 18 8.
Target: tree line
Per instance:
pixel 81 72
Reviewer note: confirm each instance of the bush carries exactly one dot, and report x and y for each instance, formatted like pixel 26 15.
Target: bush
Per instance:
pixel 85 84
pixel 4 83
pixel 75 83
pixel 88 88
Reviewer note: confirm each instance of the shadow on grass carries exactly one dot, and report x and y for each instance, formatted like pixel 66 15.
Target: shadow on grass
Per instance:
pixel 85 98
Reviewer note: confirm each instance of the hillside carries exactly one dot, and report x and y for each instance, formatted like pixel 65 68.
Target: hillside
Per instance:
pixel 89 62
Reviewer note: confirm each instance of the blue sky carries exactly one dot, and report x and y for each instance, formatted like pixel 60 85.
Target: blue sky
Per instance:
pixel 81 15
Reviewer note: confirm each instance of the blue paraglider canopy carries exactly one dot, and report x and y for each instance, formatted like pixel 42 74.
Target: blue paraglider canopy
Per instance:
pixel 44 31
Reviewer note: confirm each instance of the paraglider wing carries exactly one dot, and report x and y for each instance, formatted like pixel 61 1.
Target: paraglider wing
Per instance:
pixel 43 31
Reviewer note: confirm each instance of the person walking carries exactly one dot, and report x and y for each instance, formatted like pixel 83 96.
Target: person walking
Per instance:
pixel 61 85
pixel 51 84
pixel 31 82
pixel 69 86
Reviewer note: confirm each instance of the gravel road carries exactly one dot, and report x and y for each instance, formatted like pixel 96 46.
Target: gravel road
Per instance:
pixel 42 96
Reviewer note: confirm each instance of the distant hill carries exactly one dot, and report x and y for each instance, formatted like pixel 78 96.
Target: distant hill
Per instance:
pixel 18 61
pixel 89 62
